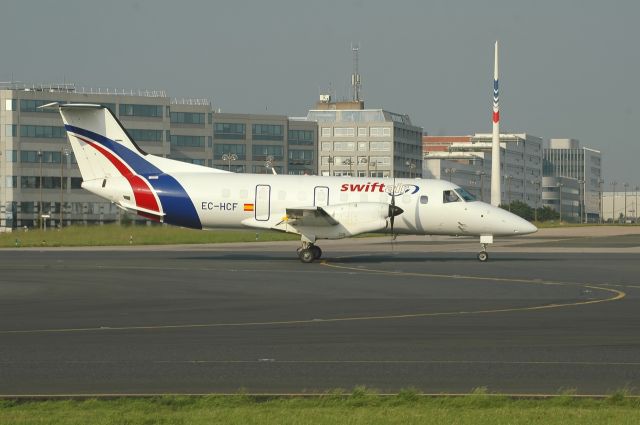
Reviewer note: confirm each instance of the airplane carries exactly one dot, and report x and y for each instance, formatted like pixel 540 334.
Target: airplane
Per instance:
pixel 163 190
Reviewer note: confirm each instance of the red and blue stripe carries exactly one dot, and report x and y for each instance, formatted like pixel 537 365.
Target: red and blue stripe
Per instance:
pixel 175 203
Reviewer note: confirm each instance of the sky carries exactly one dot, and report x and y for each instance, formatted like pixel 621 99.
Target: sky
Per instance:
pixel 568 68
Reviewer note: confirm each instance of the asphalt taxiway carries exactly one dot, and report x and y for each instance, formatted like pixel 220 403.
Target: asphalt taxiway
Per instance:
pixel 541 316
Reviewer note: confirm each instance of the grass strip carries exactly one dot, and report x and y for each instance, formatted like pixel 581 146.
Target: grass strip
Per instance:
pixel 113 235
pixel 361 406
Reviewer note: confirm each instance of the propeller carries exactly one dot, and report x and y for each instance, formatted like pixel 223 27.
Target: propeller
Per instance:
pixel 393 209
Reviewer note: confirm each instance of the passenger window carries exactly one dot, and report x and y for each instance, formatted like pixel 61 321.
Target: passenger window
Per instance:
pixel 424 199
pixel 449 196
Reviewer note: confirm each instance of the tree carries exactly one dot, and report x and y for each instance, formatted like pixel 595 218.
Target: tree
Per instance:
pixel 520 208
pixel 547 213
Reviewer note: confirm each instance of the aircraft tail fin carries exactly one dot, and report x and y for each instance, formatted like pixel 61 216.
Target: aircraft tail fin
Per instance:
pixel 102 147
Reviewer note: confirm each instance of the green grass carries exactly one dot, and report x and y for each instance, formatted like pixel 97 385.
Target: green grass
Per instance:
pixel 554 224
pixel 359 407
pixel 113 234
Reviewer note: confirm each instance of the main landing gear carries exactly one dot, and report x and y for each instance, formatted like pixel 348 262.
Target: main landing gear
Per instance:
pixel 309 252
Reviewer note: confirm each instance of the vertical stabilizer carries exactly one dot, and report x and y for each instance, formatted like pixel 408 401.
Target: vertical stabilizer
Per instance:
pixel 495 140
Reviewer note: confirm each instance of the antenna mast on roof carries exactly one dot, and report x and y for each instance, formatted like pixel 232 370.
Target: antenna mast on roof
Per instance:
pixel 355 77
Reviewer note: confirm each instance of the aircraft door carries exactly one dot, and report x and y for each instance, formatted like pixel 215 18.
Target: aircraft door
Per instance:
pixel 321 196
pixel 263 202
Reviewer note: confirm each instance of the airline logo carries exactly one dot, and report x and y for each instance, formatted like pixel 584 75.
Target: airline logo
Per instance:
pixel 398 189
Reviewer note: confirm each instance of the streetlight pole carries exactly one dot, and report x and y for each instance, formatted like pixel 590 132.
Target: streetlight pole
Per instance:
pixel 613 212
pixel 450 171
pixel 365 161
pixel 636 207
pixel 229 157
pixel 626 185
pixel 601 210
pixel 412 166
pixel 580 200
pixel 330 160
pixel 64 153
pixel 560 195
pixel 40 186
pixel 481 174
pixel 509 190
pixel 268 163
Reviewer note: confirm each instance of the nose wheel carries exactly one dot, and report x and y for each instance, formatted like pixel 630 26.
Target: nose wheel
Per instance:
pixel 483 256
pixel 485 240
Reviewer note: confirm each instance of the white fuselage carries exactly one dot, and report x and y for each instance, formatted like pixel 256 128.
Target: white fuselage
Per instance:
pixel 229 200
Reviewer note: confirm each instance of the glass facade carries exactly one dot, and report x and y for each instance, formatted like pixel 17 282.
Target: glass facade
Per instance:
pixel 239 150
pixel 230 131
pixel 133 110
pixel 42 131
pixel 142 135
pixel 261 152
pixel 267 132
pixel 188 141
pixel 187 118
pixel 29 105
pixel 300 137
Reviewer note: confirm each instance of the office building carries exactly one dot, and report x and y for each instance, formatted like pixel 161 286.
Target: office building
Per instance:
pixel 354 141
pixel 40 183
pixel 565 158
pixel 466 161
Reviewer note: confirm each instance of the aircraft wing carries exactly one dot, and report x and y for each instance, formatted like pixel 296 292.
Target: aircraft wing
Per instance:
pixel 309 216
pixel 328 222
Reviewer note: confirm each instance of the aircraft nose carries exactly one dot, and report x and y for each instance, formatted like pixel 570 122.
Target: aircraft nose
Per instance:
pixel 525 228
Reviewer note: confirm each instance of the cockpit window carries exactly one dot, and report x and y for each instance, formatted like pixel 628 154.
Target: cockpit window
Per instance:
pixel 465 195
pixel 450 196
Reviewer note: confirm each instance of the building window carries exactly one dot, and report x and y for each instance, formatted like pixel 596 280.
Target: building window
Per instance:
pixel 10 104
pixel 32 105
pixel 10 130
pixel 344 146
pixel 363 146
pixel 131 110
pixel 187 118
pixel 187 141
pixel 362 131
pixel 380 146
pixel 326 146
pixel 326 132
pixel 220 149
pixel 12 156
pixel 300 157
pixel 11 181
pixel 48 157
pixel 380 131
pixel 230 131
pixel 261 152
pixel 76 182
pixel 267 132
pixel 142 135
pixel 300 137
pixel 42 131
pixel 344 132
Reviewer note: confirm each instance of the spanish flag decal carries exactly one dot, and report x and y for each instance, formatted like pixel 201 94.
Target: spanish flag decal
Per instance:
pixel 248 207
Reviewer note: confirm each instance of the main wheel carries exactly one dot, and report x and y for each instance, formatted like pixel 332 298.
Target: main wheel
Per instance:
pixel 483 256
pixel 306 255
pixel 317 252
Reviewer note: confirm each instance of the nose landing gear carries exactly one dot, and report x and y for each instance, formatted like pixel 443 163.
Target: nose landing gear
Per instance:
pixel 483 256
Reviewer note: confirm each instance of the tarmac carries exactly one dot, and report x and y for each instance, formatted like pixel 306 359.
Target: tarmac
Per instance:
pixel 549 312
